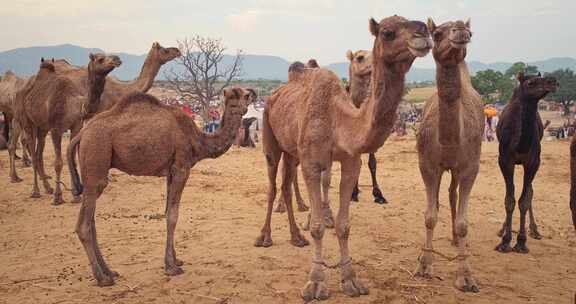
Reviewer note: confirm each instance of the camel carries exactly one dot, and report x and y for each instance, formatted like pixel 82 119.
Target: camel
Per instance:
pixel 115 89
pixel 359 73
pixel 9 85
pixel 54 104
pixel 311 121
pixel 573 180
pixel 519 133
pixel 123 138
pixel 450 139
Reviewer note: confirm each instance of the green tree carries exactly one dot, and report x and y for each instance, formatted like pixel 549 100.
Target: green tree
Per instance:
pixel 566 93
pixel 519 66
pixel 493 85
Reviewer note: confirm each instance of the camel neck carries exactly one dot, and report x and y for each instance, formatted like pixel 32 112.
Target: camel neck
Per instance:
pixel 96 83
pixel 218 143
pixel 449 84
pixel 380 113
pixel 149 71
pixel 529 117
pixel 359 89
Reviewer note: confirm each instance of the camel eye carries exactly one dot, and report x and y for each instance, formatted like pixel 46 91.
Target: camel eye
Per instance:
pixel 360 58
pixel 388 35
pixel 100 59
pixel 437 35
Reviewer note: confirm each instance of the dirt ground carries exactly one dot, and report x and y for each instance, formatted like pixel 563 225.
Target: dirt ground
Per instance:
pixel 222 210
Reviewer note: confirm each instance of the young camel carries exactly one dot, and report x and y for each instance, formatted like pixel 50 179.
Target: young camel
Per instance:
pixel 123 138
pixel 519 132
pixel 312 121
pixel 359 73
pixel 54 104
pixel 450 139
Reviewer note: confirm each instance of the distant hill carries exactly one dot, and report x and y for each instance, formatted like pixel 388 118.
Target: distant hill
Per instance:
pixel 24 61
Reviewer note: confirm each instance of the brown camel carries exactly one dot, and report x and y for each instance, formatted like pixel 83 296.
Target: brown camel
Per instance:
pixel 573 180
pixel 115 89
pixel 124 138
pixel 9 85
pixel 312 121
pixel 450 139
pixel 519 133
pixel 54 104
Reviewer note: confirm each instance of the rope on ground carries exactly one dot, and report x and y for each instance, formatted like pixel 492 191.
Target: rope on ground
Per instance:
pixel 445 256
pixel 339 264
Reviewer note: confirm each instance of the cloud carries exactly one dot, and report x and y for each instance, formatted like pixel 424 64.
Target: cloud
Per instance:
pixel 245 21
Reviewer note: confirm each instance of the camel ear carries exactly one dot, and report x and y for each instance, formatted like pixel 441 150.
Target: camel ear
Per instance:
pixel 312 63
pixel 92 57
pixel 520 77
pixel 374 27
pixel 468 23
pixel 156 45
pixel 230 93
pixel 431 25
pixel 350 55
pixel 253 93
pixel 52 60
pixel 539 74
pixel 41 59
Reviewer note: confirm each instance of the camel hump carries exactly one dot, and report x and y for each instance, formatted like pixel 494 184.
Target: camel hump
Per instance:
pixel 9 74
pixel 138 97
pixel 313 64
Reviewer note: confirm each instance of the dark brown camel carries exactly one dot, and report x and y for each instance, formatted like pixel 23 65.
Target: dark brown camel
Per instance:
pixel 519 132
pixel 573 180
pixel 124 138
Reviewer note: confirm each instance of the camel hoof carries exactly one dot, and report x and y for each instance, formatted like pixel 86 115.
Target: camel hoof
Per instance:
pixel 354 198
pixel 424 270
pixel 281 208
pixel 315 291
pixel 503 248
pixel 114 274
pixel 49 191
pixel 15 179
pixel 380 201
pixel 35 194
pixel 299 241
pixel 76 200
pixel 466 283
pixel 354 288
pixel 264 240
pixel 58 200
pixel 179 262
pixel 378 197
pixel 302 207
pixel 535 234
pixel 500 233
pixel 521 248
pixel 106 281
pixel 27 164
pixel 173 271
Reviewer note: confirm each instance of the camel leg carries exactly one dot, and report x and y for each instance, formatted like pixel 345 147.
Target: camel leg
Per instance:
pixel 58 163
pixel 41 140
pixel 73 132
pixel 350 284
pixel 288 171
pixel 355 192
pixel 573 181
pixel 315 288
pixel 378 197
pixel 431 180
pixel 26 162
pixel 525 203
pixel 326 180
pixel 31 143
pixel 281 206
pixel 453 195
pixel 12 144
pixel 178 181
pixel 507 168
pixel 464 280
pixel 299 200
pixel 86 231
pixel 273 156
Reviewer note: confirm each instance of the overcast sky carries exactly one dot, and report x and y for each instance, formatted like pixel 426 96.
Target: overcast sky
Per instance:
pixel 504 30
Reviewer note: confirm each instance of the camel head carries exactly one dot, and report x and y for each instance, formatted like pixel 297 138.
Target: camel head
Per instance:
pixel 399 41
pixel 312 64
pixel 450 40
pixel 237 99
pixel 360 63
pixel 47 65
pixel 535 87
pixel 102 64
pixel 163 54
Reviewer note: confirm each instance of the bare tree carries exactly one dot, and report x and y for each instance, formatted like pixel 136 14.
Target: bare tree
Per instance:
pixel 203 74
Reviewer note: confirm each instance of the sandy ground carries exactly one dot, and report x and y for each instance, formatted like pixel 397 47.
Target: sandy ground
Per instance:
pixel 223 206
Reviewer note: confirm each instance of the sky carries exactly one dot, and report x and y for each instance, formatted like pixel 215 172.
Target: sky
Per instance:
pixel 503 30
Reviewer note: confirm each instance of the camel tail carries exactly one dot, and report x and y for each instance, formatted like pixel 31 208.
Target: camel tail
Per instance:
pixel 573 181
pixel 71 156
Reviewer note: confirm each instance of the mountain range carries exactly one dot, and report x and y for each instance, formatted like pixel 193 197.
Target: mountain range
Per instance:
pixel 25 61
